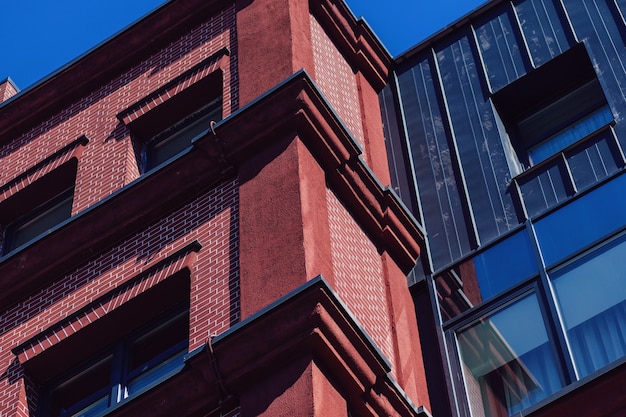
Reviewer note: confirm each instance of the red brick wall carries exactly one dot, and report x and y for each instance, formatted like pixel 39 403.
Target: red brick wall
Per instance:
pixel 337 80
pixel 210 219
pixel 108 163
pixel 7 90
pixel 359 275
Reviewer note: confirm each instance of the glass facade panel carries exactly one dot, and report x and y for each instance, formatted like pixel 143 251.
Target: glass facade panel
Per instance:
pixel 434 163
pixel 570 135
pixel 583 221
pixel 500 48
pixel 591 295
pixel 486 275
pixel 542 29
pixel 480 149
pixel 508 360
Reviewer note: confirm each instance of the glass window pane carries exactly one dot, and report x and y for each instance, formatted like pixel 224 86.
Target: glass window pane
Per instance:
pixel 156 343
pixel 84 393
pixel 508 360
pixel 591 295
pixel 488 274
pixel 179 137
pixel 585 220
pixel 570 135
pixel 41 221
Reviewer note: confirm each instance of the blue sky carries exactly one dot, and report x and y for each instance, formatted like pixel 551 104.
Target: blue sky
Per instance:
pixel 40 36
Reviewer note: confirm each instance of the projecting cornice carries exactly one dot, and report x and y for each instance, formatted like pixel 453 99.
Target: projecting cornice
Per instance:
pixel 297 105
pixel 295 109
pixel 355 40
pixel 319 331
pixel 105 61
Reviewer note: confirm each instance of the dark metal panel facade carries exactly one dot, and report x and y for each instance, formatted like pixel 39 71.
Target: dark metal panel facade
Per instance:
pixel 463 159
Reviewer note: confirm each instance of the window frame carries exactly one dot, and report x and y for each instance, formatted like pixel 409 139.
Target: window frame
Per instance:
pixel 198 122
pixel 541 285
pixel 121 375
pixel 65 197
pixel 542 88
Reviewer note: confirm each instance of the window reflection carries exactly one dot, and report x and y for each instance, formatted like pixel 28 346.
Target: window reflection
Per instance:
pixel 486 275
pixel 508 360
pixel 591 295
pixel 583 221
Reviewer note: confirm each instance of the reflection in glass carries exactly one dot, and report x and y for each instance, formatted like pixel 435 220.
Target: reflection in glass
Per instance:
pixel 583 221
pixel 591 294
pixel 486 275
pixel 508 360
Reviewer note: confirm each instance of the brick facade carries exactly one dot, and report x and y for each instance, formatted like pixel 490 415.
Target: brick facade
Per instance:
pixel 257 208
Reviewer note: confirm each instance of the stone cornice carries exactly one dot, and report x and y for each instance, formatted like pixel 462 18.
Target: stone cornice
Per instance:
pixel 293 109
pixel 319 330
pixel 298 105
pixel 355 40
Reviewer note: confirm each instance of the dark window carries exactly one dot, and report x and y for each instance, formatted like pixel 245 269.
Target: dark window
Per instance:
pixel 178 137
pixel 553 106
pixel 132 365
pixel 36 209
pixel 170 127
pixel 39 220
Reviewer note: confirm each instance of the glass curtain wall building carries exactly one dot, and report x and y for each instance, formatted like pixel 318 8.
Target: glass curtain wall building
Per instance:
pixel 506 134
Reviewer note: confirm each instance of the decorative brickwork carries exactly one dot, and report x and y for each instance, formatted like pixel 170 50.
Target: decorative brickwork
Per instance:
pixel 97 296
pixel 337 81
pixel 358 275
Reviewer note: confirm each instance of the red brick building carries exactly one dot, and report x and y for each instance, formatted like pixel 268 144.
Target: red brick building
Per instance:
pixel 196 222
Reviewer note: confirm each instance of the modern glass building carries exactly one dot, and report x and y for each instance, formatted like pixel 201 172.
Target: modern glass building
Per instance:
pixel 506 135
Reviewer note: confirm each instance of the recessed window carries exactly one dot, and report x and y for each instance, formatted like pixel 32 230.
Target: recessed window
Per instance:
pixel 564 122
pixel 38 208
pixel 553 106
pixel 132 365
pixel 185 111
pixel 39 220
pixel 178 137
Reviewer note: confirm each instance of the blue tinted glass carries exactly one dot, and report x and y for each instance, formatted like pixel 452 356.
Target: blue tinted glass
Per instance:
pixel 435 171
pixel 595 160
pixel 502 266
pixel 500 48
pixel 583 221
pixel 505 264
pixel 545 188
pixel 508 357
pixel 572 134
pixel 594 310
